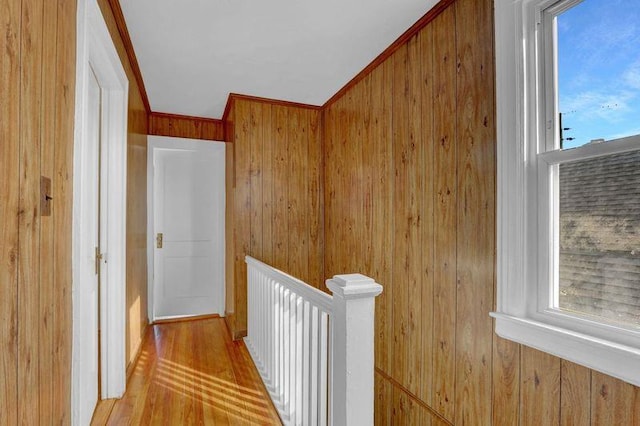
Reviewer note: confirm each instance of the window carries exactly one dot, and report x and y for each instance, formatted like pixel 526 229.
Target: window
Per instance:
pixel 568 92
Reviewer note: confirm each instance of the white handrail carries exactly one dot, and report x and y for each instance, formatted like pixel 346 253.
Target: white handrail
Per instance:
pixel 314 351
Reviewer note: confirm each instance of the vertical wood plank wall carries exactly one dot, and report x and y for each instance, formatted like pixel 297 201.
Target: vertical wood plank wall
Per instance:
pixel 409 199
pixel 274 208
pixel 185 127
pixel 37 86
pixel 138 119
pixel 37 83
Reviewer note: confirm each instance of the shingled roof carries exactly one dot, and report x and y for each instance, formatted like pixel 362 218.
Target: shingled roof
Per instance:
pixel 600 236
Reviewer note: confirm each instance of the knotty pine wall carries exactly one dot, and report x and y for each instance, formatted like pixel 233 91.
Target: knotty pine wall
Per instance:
pixel 409 199
pixel 273 210
pixel 138 118
pixel 37 86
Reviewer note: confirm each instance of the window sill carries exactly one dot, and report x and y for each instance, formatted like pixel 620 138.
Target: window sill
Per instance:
pixel 614 359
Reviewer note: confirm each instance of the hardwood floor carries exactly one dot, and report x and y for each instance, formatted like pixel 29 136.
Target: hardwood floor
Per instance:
pixel 191 373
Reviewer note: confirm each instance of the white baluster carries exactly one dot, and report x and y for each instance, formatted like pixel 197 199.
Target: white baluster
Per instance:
pixel 287 352
pixel 315 355
pixel 306 358
pixel 323 369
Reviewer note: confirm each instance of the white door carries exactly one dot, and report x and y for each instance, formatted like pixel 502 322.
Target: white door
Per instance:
pixel 188 211
pixel 89 286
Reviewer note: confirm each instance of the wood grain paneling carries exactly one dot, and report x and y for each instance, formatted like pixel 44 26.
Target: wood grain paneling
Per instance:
pixel 539 388
pixel 476 161
pixel 63 207
pixel 613 401
pixel 29 208
pixel 47 230
pixel 575 398
pixel 37 80
pixel 428 145
pixel 381 206
pixel 9 207
pixel 284 139
pixel 37 132
pixel 182 126
pixel 506 381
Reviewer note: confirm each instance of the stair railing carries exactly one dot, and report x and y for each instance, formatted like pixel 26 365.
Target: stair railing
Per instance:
pixel 314 351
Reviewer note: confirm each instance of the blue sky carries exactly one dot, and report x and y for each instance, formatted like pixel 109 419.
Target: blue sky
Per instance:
pixel 599 70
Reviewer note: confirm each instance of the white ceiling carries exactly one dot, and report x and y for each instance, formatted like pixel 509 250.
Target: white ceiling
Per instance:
pixel 193 53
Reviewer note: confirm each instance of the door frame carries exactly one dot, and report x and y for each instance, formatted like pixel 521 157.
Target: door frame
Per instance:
pixel 96 51
pixel 167 143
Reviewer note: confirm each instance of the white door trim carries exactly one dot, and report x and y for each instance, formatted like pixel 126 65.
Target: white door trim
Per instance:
pixel 96 51
pixel 156 143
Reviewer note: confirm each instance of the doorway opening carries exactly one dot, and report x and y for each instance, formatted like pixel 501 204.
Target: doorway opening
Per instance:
pixel 186 213
pixel 99 217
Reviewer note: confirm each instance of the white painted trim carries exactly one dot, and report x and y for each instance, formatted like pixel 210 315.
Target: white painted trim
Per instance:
pixel 524 206
pixel 154 144
pixel 617 360
pixel 95 50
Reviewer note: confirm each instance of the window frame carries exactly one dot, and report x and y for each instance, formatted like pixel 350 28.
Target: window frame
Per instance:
pixel 526 212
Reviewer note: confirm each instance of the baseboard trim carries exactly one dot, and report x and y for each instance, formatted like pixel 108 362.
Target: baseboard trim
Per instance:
pixel 185 319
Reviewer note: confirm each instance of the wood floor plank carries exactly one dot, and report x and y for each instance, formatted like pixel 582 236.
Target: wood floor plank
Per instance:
pixel 193 373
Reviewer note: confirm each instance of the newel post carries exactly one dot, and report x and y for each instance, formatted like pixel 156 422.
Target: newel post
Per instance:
pixel 353 349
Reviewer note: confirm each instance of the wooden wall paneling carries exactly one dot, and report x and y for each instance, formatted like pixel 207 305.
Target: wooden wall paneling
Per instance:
pixel 505 381
pixel 381 201
pixel 366 175
pixel 346 254
pixel 29 210
pixel 281 187
pixel 62 183
pixel 401 332
pixel 242 199
pixel 297 232
pixel 230 227
pixel 539 388
pixel 304 203
pixel 414 210
pixel 331 175
pixel 267 183
pixel 10 15
pixel 383 400
pixel 575 394
pixel 476 161
pixel 350 257
pixel 315 196
pixel 136 273
pixel 229 233
pixel 47 231
pixel 183 126
pixel 256 142
pixel 357 145
pixel 406 411
pixel 445 213
pixel 427 231
pixel 613 401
